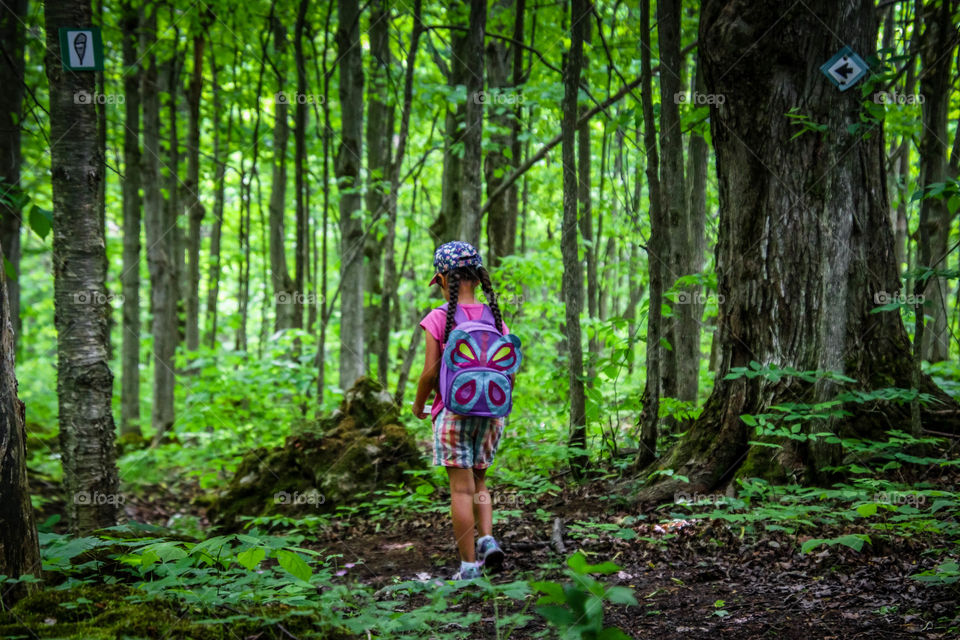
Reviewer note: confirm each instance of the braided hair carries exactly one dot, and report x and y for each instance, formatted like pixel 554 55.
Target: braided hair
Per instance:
pixel 469 274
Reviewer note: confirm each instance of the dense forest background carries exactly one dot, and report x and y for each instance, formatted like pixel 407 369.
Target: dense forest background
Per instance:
pixel 729 277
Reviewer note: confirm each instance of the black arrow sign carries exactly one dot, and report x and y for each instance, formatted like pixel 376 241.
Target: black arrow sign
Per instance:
pixel 844 71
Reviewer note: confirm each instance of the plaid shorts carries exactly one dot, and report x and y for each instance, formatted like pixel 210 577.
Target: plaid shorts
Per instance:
pixel 465 441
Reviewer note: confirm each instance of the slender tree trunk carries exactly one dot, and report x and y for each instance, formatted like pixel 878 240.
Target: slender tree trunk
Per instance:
pixel 389 262
pixel 159 234
pixel 799 267
pixel 84 379
pixel 194 208
pixel 572 283
pixel 301 114
pixel 13 17
pixel 130 383
pixel 471 188
pixel 216 231
pixel 937 42
pixel 283 285
pixel 656 250
pixel 19 548
pixel 380 117
pixel 585 213
pixel 352 362
pixel 503 99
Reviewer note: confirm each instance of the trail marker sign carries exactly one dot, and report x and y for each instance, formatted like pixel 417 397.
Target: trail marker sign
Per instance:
pixel 844 69
pixel 81 48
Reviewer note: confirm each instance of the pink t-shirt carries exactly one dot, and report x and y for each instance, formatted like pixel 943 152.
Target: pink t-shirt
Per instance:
pixel 436 321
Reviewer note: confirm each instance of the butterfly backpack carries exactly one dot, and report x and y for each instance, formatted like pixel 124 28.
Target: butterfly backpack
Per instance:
pixel 476 365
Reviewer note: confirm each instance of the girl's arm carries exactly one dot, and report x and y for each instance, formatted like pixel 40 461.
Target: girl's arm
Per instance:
pixel 430 376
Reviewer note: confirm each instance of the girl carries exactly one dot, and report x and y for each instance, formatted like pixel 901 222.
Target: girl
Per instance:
pixel 465 445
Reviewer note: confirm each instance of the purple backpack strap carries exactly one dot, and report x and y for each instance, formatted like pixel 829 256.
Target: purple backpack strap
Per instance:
pixel 486 315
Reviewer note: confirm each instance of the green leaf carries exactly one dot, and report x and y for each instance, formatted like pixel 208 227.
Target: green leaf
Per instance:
pixel 9 269
pixel 41 221
pixel 294 565
pixel 250 558
pixel 868 509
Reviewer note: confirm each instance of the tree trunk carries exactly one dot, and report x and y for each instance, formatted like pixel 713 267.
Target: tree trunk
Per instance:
pixel 302 256
pixel 283 285
pixel 471 187
pixel 219 160
pixel 380 117
pixel 194 208
pixel 656 249
pixel 84 379
pixel 347 169
pixel 585 214
pixel 572 283
pixel 804 243
pixel 504 102
pixel 130 357
pixel 160 256
pixel 937 42
pixel 19 548
pixel 13 19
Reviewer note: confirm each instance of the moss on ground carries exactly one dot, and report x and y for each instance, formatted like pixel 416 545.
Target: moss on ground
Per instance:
pixel 101 612
pixel 359 448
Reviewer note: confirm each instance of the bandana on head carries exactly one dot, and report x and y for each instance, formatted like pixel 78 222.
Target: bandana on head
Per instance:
pixel 452 255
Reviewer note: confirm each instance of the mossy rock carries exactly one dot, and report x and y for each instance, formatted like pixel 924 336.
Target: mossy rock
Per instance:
pixel 101 612
pixel 358 449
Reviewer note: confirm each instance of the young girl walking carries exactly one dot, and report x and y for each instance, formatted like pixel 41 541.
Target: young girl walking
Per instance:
pixel 463 444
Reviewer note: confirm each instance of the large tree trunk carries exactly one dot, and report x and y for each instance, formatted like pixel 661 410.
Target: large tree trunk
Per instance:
pixel 572 283
pixel 937 43
pixel 13 16
pixel 471 188
pixel 130 350
pixel 19 549
pixel 301 114
pixel 804 245
pixel 347 169
pixel 84 379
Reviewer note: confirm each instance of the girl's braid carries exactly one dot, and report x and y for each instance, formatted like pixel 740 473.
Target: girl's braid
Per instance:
pixel 491 298
pixel 453 284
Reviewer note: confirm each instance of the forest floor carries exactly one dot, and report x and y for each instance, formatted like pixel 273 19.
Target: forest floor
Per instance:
pixel 692 578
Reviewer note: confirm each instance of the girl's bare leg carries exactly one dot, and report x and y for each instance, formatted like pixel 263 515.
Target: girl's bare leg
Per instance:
pixel 462 489
pixel 482 505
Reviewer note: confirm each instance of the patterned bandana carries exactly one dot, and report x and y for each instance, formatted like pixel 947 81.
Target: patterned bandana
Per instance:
pixel 452 255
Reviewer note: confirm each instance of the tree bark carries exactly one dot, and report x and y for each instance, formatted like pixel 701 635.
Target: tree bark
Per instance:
pixel 84 379
pixel 301 118
pixel 347 169
pixel 19 548
pixel 804 243
pixel 656 247
pixel 572 283
pixel 159 233
pixel 937 42
pixel 471 187
pixel 283 285
pixel 13 19
pixel 130 349
pixel 195 209
pixel 504 100
pixel 216 231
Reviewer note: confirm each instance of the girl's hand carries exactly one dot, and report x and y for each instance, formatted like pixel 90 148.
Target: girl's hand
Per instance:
pixel 419 412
